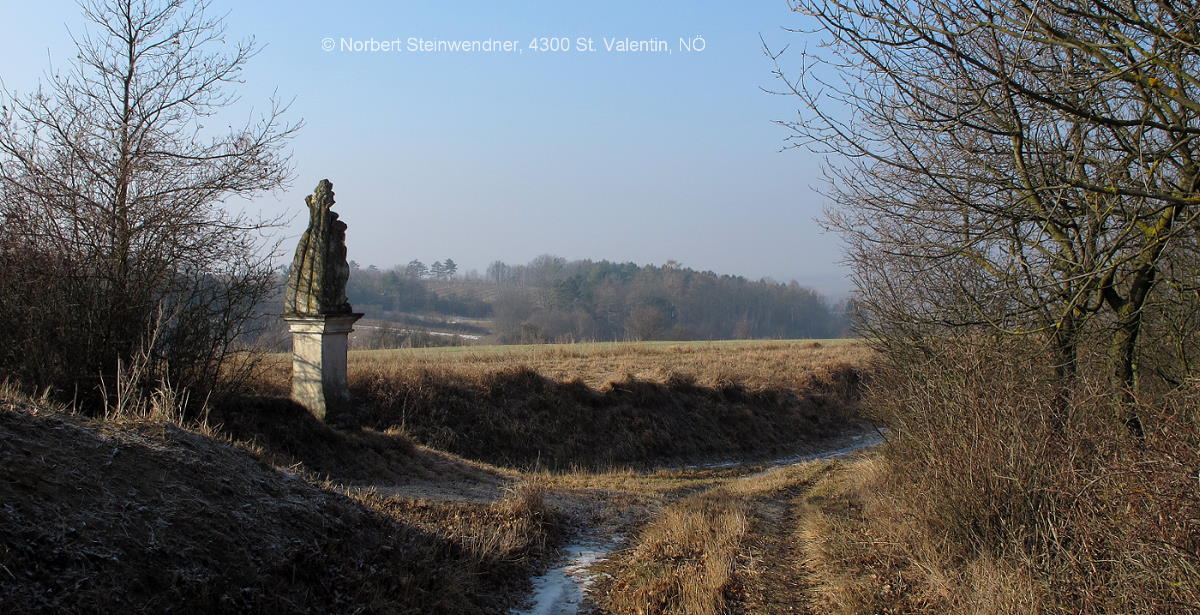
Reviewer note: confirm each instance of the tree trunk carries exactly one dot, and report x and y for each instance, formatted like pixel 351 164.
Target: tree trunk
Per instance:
pixel 1122 350
pixel 1065 345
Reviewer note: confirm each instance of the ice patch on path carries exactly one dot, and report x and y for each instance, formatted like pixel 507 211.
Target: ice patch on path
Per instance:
pixel 859 442
pixel 561 591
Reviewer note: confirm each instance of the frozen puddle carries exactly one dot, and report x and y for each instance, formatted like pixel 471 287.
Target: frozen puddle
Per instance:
pixel 560 591
pixel 857 443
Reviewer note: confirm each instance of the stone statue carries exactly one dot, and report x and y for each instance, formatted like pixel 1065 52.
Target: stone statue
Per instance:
pixel 317 282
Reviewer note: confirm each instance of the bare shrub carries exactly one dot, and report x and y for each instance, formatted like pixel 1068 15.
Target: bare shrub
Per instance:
pixel 114 221
pixel 980 485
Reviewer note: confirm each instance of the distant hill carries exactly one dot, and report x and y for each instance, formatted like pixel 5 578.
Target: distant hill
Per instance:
pixel 551 299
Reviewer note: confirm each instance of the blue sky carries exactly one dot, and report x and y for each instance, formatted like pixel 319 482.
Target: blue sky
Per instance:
pixel 480 156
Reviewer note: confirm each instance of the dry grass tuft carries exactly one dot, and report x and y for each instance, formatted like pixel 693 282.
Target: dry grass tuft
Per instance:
pixel 686 560
pixel 683 561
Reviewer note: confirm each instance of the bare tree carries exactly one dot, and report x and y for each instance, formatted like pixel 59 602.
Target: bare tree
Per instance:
pixel 1023 167
pixel 115 219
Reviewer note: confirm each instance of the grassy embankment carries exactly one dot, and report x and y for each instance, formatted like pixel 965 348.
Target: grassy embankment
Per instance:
pixel 608 404
pixel 145 515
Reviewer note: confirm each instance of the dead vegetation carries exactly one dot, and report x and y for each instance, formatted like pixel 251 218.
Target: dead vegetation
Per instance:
pixel 683 560
pixel 852 567
pixel 607 405
pixel 703 554
pixel 980 503
pixel 262 508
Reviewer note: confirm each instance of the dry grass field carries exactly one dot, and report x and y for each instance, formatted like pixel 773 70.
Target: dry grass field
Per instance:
pixel 605 405
pixel 759 364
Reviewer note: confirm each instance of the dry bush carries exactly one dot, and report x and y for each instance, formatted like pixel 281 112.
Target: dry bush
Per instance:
pixel 524 516
pixel 117 217
pixel 502 539
pixel 1001 510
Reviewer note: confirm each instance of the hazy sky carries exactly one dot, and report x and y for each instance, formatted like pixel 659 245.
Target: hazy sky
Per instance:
pixel 477 156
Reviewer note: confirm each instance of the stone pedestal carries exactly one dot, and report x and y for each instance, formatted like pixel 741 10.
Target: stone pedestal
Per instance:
pixel 319 360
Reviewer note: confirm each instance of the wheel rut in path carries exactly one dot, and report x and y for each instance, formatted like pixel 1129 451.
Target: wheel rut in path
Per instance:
pixel 772 574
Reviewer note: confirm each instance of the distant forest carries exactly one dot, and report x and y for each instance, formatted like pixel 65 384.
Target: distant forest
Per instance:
pixel 551 299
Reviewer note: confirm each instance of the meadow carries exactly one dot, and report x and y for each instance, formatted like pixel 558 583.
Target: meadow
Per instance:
pixel 606 404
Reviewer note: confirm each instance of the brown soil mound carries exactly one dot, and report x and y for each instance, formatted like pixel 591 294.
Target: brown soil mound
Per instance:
pixel 148 517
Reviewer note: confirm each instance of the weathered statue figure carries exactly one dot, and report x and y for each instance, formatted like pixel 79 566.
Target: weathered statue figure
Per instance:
pixel 317 282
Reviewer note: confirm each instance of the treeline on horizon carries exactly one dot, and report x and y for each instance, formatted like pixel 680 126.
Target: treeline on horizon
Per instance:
pixel 551 299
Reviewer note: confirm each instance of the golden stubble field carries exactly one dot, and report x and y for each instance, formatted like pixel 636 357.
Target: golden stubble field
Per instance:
pixel 754 364
pixel 605 405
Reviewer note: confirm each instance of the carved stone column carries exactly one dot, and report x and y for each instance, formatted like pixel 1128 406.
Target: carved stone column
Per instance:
pixel 319 346
pixel 316 309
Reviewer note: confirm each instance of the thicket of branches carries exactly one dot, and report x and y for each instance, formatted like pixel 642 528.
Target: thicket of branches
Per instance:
pixel 118 256
pixel 1027 168
pixel 1020 178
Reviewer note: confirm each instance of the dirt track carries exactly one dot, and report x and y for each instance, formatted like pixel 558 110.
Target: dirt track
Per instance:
pixel 772 570
pixel 770 576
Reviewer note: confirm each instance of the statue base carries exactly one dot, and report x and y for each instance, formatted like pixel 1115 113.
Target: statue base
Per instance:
pixel 319 345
